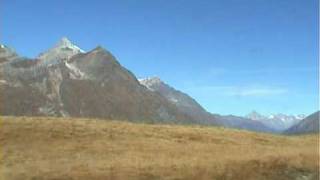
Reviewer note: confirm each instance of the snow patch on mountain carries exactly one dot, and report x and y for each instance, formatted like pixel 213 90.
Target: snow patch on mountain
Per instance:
pixel 66 43
pixel 76 73
pixel 150 82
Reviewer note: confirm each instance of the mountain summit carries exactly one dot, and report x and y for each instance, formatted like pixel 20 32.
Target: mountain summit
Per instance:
pixel 66 43
pixel 63 50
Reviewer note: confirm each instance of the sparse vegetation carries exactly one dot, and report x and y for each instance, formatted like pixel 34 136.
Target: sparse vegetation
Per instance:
pixel 83 149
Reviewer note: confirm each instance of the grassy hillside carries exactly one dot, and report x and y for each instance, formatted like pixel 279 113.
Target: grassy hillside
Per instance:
pixel 81 149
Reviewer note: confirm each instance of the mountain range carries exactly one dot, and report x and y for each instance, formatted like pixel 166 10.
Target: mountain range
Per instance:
pixel 278 122
pixel 67 81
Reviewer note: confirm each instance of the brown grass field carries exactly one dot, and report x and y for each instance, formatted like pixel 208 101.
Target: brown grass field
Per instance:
pixel 83 149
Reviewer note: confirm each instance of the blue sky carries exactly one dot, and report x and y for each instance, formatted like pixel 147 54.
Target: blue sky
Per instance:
pixel 232 56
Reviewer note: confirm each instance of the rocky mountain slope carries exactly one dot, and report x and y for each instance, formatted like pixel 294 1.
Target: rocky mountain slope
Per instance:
pixel 181 100
pixel 188 105
pixel 308 125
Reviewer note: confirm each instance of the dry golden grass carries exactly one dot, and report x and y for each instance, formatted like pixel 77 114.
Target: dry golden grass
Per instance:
pixel 82 149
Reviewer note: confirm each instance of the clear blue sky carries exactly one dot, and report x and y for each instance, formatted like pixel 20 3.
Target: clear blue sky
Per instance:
pixel 232 56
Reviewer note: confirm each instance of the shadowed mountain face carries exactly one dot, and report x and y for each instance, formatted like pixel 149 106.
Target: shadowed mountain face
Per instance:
pixel 308 125
pixel 66 81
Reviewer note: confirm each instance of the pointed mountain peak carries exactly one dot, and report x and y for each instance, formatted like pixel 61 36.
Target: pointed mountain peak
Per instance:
pixel 99 48
pixel 63 50
pixel 66 43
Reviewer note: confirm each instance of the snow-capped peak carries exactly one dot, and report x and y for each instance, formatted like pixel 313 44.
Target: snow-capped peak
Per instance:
pixel 66 43
pixel 62 51
pixel 276 121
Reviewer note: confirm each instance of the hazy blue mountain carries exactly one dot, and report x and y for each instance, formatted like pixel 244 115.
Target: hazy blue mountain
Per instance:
pixel 278 122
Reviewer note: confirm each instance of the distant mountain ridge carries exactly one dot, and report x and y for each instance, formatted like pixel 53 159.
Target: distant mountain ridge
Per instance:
pixel 279 122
